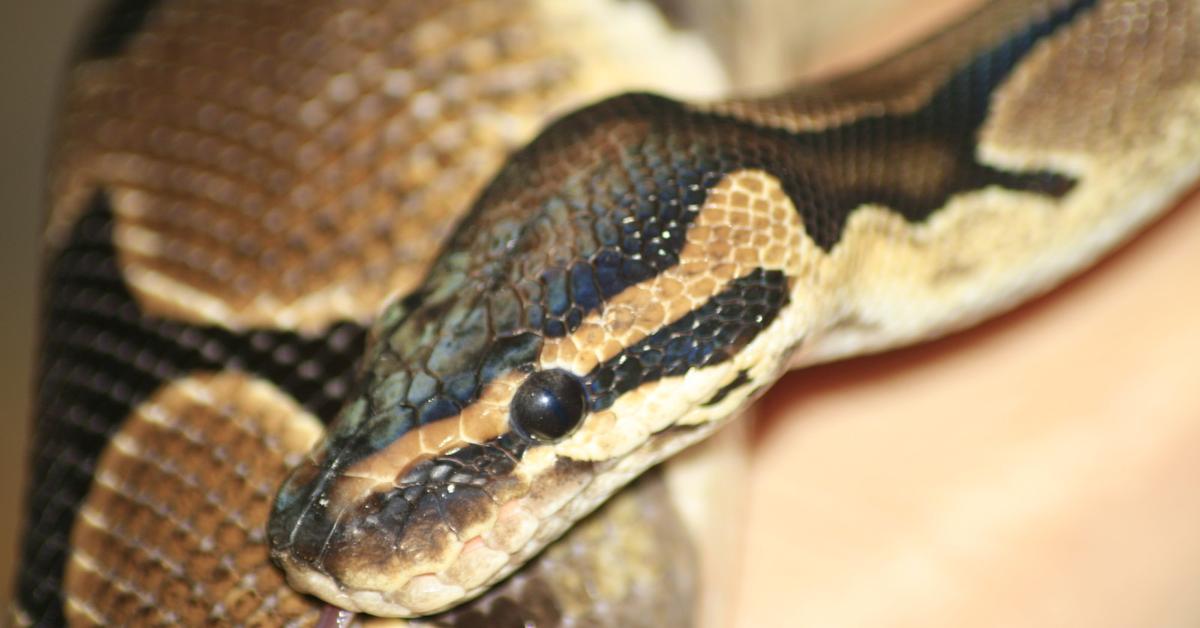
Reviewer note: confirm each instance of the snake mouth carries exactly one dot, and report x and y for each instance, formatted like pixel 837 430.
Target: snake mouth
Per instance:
pixel 439 535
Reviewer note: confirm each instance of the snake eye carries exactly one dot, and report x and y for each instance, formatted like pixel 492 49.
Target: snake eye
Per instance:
pixel 548 405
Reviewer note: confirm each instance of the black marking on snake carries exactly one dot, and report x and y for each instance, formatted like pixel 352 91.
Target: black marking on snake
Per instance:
pixel 742 379
pixel 102 356
pixel 116 26
pixel 708 335
pixel 472 464
pixel 824 173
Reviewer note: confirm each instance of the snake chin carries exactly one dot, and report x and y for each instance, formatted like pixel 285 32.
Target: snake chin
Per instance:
pixel 382 552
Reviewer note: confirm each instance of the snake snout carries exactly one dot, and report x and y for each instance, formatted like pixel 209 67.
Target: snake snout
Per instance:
pixel 387 549
pixel 319 536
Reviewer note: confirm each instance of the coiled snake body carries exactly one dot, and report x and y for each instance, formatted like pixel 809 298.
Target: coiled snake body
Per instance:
pixel 250 199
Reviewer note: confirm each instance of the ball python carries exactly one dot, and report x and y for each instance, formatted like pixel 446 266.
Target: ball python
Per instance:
pixel 266 219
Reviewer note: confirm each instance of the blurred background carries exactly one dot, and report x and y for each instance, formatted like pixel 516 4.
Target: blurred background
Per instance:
pixel 35 39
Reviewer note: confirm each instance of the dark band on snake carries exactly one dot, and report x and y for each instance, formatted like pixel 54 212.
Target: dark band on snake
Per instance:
pixel 122 19
pixel 88 389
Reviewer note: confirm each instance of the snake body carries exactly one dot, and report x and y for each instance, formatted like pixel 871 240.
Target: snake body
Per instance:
pixel 250 199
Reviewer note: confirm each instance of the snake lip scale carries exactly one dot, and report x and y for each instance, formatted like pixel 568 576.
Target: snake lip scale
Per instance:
pixel 344 296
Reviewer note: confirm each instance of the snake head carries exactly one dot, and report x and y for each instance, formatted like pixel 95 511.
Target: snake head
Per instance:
pixel 612 298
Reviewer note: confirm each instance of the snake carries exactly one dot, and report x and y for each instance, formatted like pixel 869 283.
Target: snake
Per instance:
pixel 377 307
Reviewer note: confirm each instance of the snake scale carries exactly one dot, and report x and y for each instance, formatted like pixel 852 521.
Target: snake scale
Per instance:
pixel 272 218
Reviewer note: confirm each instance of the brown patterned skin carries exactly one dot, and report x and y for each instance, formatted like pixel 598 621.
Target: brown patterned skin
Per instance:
pixel 670 259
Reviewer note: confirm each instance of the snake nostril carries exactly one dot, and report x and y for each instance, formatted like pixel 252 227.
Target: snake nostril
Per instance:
pixel 310 538
pixel 300 526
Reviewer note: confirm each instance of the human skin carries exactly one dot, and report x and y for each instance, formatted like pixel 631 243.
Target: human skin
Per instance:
pixel 1041 469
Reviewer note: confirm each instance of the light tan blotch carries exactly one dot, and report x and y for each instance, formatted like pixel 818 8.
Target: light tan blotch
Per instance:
pixel 172 528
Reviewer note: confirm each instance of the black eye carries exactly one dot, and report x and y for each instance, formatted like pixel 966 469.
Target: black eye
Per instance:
pixel 548 406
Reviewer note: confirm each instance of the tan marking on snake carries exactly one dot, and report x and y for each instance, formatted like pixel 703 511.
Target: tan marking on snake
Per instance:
pixel 1041 121
pixel 481 421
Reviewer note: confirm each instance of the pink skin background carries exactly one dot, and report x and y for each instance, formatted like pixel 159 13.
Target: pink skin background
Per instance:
pixel 1040 470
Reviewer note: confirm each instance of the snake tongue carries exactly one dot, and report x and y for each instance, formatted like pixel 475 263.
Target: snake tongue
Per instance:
pixel 334 617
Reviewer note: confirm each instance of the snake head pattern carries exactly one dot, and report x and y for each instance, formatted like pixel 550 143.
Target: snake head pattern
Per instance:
pixel 619 288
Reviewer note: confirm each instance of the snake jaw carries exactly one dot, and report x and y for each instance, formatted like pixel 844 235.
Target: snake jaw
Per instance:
pixel 433 559
pixel 372 550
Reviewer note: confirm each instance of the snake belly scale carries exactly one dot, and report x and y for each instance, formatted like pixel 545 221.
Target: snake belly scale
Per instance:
pixel 295 326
